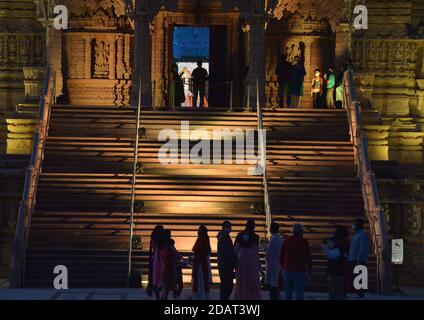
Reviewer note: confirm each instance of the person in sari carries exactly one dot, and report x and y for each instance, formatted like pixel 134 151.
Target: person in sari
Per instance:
pixel 154 262
pixel 168 266
pixel 247 272
pixel 201 272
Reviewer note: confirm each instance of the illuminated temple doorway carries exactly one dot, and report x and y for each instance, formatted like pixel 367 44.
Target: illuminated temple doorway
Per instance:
pixel 207 44
pixel 213 37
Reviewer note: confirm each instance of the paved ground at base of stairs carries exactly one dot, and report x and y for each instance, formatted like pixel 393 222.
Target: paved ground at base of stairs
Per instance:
pixel 139 294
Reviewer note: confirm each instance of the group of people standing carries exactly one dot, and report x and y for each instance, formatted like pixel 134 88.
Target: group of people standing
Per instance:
pixel 291 78
pixel 198 78
pixel 288 263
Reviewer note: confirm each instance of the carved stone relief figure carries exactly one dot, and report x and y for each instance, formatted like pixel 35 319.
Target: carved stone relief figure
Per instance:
pixel 415 216
pixel 1 48
pixel 11 47
pixel 294 49
pixel 101 60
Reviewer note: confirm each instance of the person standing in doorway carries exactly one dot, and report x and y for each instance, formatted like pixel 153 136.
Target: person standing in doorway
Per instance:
pixel 177 87
pixel 358 252
pixel 317 88
pixel 283 71
pixel 272 258
pixel 296 84
pixel 199 76
pixel 330 79
pixel 227 261
pixel 296 262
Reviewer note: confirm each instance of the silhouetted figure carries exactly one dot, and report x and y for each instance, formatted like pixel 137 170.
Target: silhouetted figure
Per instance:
pixel 330 79
pixel 201 273
pixel 153 252
pixel 284 73
pixel 199 76
pixel 179 272
pixel 177 87
pixel 358 252
pixel 347 66
pixel 273 267
pixel 342 239
pixel 227 261
pixel 296 83
pixel 168 263
pixel 335 250
pixel 296 262
pixel 247 274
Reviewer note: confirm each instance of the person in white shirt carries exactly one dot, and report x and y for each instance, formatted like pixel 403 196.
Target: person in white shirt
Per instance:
pixel 273 270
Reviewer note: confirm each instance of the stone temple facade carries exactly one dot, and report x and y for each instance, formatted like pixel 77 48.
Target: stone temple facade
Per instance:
pixel 112 46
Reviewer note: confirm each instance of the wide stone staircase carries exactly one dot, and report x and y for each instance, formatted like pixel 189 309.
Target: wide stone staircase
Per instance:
pixel 310 164
pixel 81 219
pixel 83 198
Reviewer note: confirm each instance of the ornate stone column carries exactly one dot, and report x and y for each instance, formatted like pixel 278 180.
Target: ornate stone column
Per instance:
pixel 87 57
pixel 54 54
pixel 142 70
pixel 420 94
pixel 343 44
pixel 112 60
pixel 364 84
pixel 256 58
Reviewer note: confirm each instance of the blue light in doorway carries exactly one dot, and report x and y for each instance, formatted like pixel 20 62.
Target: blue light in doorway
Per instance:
pixel 191 43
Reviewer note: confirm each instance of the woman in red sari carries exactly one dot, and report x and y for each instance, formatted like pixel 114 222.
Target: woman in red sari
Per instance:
pixel 201 275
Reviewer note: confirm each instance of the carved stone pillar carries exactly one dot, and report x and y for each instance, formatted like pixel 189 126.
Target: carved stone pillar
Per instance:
pixel 343 44
pixel 54 54
pixel 256 59
pixel 120 57
pixel 364 84
pixel 112 60
pixel 142 69
pixel 33 82
pixel 87 58
pixel 420 94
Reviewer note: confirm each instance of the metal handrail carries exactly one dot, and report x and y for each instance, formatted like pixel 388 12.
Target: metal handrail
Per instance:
pixel 28 201
pixel 133 187
pixel 373 210
pixel 262 150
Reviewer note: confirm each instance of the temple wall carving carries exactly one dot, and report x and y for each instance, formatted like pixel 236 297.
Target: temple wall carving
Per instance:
pixel 21 45
pixel 11 184
pixel 97 55
pixel 388 59
pixel 403 204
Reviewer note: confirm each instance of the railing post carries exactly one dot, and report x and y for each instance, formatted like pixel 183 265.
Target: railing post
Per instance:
pixel 263 162
pixel 231 96
pixel 133 188
pixel 154 96
pixel 248 99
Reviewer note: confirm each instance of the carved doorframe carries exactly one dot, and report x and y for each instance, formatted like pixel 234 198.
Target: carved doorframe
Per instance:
pixel 161 41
